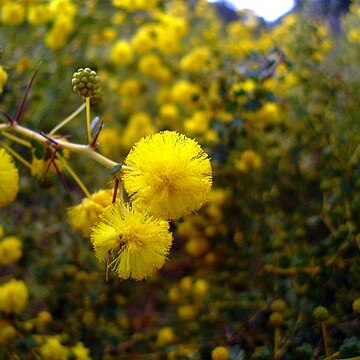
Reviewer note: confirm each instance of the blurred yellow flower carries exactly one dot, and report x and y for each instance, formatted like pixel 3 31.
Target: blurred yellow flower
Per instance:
pixel 13 296
pixel 3 78
pixel 165 336
pixel 53 350
pixel 83 217
pixel 9 179
pixel 249 159
pixel 139 243
pixel 220 353
pixel 12 13
pixel 10 250
pixel 139 125
pixel 80 352
pixel 121 53
pixel 168 175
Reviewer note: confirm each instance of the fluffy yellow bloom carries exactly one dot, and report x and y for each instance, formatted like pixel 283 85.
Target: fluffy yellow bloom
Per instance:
pixel 3 78
pixel 9 179
pixel 13 296
pixel 139 243
pixel 12 13
pixel 53 350
pixel 168 175
pixel 81 352
pixel 83 217
pixel 121 53
pixel 220 353
pixel 10 250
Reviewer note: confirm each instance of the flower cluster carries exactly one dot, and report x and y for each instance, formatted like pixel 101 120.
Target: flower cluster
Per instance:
pixel 167 175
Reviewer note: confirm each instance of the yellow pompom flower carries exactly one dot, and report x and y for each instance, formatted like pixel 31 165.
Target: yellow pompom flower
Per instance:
pixel 83 217
pixel 53 349
pixel 168 175
pixel 13 296
pixel 10 250
pixel 3 78
pixel 139 243
pixel 9 179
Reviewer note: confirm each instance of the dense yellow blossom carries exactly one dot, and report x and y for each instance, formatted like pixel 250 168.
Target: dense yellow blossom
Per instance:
pixel 53 349
pixel 83 217
pixel 168 175
pixel 13 296
pixel 3 78
pixel 139 243
pixel 9 179
pixel 10 250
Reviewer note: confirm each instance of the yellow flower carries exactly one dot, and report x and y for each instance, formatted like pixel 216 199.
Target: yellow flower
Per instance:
pixel 38 14
pixel 249 159
pixel 83 217
pixel 81 352
pixel 13 296
pixel 3 78
pixel 138 242
pixel 168 175
pixel 220 353
pixel 138 126
pixel 165 336
pixel 53 350
pixel 9 179
pixel 12 13
pixel 10 250
pixel 121 53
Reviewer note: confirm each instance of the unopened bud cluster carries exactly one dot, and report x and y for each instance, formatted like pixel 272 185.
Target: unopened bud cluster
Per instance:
pixel 85 82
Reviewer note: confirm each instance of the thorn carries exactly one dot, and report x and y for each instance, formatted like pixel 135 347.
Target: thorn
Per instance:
pixel 58 172
pixel 8 118
pixel 20 110
pixel 51 140
pixel 107 270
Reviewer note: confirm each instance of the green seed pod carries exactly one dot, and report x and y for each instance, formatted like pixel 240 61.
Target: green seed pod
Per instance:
pixel 85 82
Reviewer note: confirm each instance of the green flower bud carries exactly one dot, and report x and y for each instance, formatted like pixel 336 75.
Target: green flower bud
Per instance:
pixel 85 82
